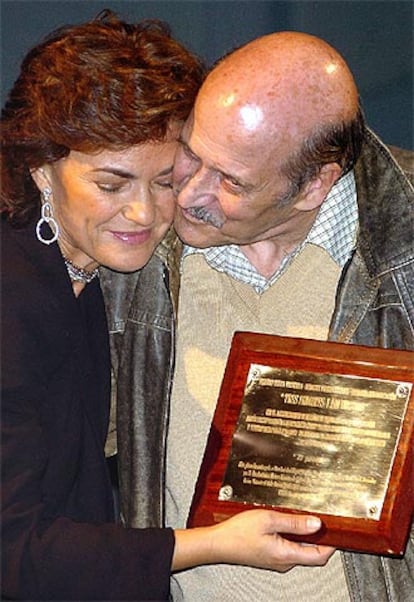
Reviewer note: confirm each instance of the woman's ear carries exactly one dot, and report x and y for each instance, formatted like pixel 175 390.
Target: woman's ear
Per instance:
pixel 317 189
pixel 40 177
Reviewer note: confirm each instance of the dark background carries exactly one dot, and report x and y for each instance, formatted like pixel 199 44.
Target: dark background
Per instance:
pixel 375 37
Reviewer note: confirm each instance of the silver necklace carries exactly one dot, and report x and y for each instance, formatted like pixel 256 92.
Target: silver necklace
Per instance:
pixel 77 274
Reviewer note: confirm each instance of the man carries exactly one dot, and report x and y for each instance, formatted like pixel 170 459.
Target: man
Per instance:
pixel 296 220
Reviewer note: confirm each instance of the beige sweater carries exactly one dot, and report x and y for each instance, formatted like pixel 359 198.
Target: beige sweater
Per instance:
pixel 212 306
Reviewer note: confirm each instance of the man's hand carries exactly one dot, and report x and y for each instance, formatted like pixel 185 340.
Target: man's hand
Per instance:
pixel 252 538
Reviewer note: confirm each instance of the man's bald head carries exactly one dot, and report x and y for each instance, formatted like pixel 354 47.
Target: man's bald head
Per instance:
pixel 282 87
pixel 275 125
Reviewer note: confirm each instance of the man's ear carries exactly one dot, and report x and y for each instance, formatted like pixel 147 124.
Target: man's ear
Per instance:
pixel 40 177
pixel 317 189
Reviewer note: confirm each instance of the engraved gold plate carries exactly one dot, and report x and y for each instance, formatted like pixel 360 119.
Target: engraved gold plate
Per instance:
pixel 314 427
pixel 335 453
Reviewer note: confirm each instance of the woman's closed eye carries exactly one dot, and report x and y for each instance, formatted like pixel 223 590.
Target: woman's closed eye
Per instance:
pixel 110 187
pixel 164 183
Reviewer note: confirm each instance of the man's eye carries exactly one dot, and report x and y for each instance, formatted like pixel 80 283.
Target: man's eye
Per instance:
pixel 232 185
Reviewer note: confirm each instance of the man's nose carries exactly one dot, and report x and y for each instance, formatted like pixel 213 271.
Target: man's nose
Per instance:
pixel 195 188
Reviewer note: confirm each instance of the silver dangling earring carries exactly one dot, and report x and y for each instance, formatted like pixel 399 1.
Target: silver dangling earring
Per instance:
pixel 46 217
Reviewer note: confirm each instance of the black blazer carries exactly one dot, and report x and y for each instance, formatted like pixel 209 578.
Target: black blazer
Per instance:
pixel 59 541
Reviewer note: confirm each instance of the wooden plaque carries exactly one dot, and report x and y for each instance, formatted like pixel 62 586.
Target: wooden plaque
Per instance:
pixel 316 428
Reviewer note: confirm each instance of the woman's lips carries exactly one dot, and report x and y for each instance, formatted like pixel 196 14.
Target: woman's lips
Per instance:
pixel 132 238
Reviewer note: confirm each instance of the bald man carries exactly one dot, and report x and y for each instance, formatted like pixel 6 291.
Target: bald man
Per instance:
pixel 296 220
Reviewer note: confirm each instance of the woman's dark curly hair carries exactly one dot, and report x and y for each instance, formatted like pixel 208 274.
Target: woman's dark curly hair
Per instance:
pixel 105 84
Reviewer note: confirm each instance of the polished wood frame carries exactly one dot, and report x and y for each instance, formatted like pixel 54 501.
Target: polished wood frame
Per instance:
pixel 389 534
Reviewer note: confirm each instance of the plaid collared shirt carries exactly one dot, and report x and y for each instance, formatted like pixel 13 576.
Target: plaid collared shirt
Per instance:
pixel 334 230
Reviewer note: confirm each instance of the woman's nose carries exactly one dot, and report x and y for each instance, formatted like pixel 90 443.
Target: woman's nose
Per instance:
pixel 140 210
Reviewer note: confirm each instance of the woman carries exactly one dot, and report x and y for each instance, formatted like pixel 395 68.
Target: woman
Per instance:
pixel 88 138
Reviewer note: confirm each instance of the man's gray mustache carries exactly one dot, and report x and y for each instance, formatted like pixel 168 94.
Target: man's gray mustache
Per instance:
pixel 206 216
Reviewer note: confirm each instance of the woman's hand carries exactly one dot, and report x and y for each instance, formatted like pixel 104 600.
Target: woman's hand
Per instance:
pixel 251 538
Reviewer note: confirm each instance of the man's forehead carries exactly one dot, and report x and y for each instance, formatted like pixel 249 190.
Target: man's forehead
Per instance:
pixel 188 126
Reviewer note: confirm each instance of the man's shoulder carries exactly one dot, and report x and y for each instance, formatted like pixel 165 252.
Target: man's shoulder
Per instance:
pixel 404 158
pixel 385 160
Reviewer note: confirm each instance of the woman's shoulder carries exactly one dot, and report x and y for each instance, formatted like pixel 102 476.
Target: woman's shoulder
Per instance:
pixel 15 240
pixel 30 301
pixel 18 263
pixel 35 321
pixel 26 262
